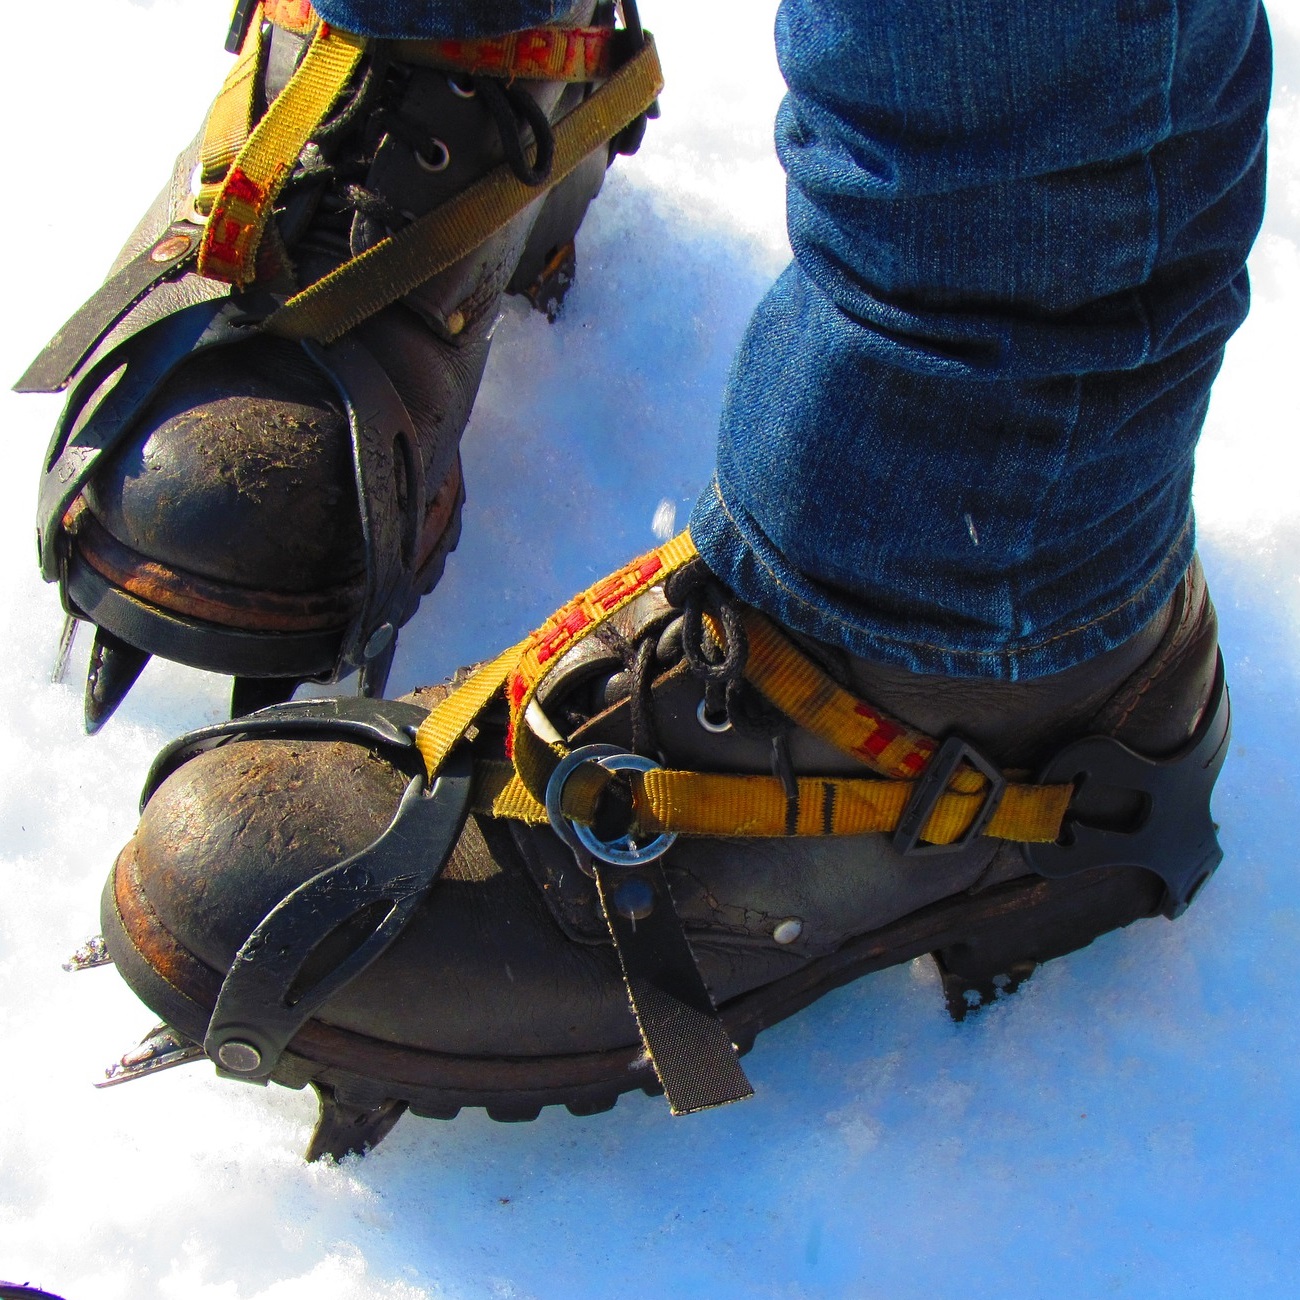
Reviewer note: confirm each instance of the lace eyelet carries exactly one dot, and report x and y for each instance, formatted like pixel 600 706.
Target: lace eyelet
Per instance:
pixel 440 159
pixel 717 728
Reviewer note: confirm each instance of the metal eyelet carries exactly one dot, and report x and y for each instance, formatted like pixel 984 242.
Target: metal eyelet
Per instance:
pixel 461 92
pixel 702 717
pixel 623 852
pixel 440 159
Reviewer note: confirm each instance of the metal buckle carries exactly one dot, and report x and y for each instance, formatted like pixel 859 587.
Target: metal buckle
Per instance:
pixel 623 852
pixel 930 789
pixel 1174 835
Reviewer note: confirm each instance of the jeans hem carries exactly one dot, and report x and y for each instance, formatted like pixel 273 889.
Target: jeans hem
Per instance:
pixel 735 549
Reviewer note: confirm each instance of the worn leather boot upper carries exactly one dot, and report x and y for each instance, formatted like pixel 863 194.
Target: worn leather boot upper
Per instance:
pixel 510 956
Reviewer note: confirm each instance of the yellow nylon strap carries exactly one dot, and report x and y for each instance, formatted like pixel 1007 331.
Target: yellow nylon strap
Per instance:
pixel 729 806
pixel 813 699
pixel 230 119
pixel 448 721
pixel 396 265
pixel 534 758
pixel 698 803
pixel 525 665
pixel 243 204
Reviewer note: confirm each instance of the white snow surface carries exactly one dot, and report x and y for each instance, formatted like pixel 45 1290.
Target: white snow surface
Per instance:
pixel 1125 1125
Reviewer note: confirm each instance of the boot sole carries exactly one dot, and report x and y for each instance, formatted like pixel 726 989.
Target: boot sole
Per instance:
pixel 1004 931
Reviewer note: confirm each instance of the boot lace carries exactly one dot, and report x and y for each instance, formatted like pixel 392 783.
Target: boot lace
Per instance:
pixel 327 183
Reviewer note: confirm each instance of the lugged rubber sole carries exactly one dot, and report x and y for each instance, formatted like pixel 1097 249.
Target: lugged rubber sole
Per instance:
pixel 1006 930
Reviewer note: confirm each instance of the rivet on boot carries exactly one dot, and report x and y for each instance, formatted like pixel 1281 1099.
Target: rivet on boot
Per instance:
pixel 634 899
pixel 378 641
pixel 239 1057
pixel 788 931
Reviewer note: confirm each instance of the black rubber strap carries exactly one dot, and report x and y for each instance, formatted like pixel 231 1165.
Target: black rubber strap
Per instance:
pixel 74 342
pixel 382 724
pixel 689 1046
pixel 108 399
pixel 1175 836
pixel 262 1004
pixel 391 518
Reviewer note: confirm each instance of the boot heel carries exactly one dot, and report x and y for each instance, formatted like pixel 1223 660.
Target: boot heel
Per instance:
pixel 1034 920
pixel 548 264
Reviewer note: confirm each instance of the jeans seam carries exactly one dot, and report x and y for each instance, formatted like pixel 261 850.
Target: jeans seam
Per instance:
pixel 942 649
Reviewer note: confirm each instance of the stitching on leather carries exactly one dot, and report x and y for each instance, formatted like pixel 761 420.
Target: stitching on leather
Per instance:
pixel 1175 646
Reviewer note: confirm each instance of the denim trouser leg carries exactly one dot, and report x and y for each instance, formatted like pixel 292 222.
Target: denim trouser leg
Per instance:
pixel 959 431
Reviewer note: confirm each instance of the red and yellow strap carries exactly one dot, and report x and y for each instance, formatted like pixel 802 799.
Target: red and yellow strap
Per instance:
pixel 244 201
pixel 540 54
pixel 293 15
pixel 724 804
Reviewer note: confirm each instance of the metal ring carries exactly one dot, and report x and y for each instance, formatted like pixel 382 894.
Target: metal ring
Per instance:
pixel 461 92
pixel 624 852
pixel 703 719
pixel 440 163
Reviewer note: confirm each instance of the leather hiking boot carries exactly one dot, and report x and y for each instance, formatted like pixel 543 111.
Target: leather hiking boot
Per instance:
pixel 609 858
pixel 257 468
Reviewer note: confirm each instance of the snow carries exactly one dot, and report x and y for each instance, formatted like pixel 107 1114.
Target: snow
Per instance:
pixel 1125 1125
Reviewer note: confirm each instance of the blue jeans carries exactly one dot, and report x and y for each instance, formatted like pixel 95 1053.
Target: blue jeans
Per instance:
pixel 959 432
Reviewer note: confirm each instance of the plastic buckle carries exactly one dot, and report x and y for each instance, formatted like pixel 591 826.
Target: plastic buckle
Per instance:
pixel 930 789
pixel 239 24
pixel 1173 836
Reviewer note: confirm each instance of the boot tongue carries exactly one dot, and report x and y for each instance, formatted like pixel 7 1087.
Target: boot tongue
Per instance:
pixel 592 675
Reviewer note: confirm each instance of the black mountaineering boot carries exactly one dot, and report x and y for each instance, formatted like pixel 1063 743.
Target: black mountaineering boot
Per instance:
pixel 609 858
pixel 256 471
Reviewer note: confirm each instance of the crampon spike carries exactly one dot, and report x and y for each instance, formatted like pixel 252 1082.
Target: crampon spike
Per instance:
pixel 344 1129
pixel 248 694
pixel 66 638
pixel 160 1049
pixel 114 666
pixel 92 953
pixel 373 676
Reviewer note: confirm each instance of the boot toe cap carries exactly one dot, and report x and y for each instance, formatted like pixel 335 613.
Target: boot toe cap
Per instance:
pixel 481 970
pixel 240 471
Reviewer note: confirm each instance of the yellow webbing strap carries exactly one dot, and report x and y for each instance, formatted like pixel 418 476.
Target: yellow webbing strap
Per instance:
pixel 733 806
pixel 710 804
pixel 243 204
pixel 447 723
pixel 534 758
pixel 697 803
pixel 814 700
pixel 396 265
pixel 521 669
pixel 230 119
